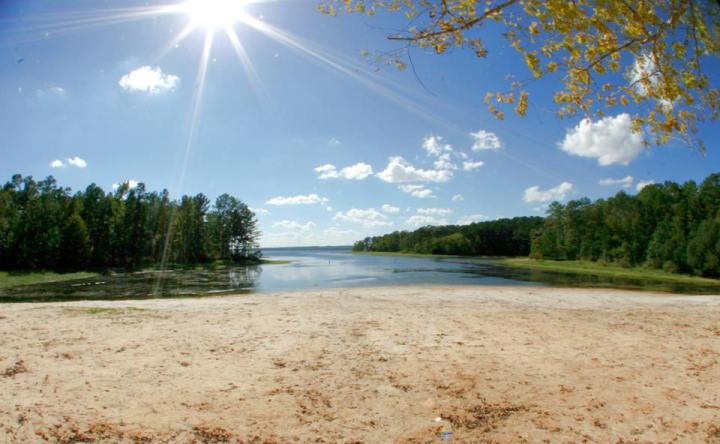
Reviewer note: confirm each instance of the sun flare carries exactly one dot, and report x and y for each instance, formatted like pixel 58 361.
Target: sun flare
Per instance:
pixel 213 14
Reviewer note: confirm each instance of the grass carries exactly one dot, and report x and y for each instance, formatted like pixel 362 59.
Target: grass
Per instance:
pixel 10 279
pixel 274 262
pixel 13 279
pixel 603 269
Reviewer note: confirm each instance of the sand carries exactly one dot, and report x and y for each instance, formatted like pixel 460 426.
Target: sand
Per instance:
pixel 371 365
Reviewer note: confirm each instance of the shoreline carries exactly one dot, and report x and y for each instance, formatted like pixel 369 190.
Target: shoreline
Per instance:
pixel 371 364
pixel 575 267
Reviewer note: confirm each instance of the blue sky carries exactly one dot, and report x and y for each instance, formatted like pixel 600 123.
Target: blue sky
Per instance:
pixel 326 148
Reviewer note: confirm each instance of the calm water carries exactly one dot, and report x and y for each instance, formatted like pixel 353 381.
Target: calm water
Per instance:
pixel 319 268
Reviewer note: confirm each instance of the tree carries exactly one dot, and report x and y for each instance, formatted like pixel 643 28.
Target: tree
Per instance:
pixel 502 237
pixel 704 249
pixel 660 47
pixel 7 215
pixel 97 214
pixel 43 227
pixel 134 232
pixel 75 244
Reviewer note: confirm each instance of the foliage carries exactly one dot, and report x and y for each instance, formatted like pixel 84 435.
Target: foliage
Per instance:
pixel 43 226
pixel 607 269
pixel 503 237
pixel 17 278
pixel 607 54
pixel 667 226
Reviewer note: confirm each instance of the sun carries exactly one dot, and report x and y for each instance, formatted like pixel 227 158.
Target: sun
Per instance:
pixel 213 14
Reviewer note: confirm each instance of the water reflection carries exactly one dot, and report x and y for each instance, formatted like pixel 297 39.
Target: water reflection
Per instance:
pixel 139 285
pixel 323 268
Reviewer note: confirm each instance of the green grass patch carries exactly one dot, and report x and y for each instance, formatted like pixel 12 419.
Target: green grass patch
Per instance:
pixel 274 262
pixel 604 269
pixel 13 279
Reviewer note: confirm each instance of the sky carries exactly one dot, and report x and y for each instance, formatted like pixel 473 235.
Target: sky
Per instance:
pixel 326 146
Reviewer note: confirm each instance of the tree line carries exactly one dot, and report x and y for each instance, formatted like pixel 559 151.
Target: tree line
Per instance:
pixel 669 226
pixel 45 226
pixel 502 237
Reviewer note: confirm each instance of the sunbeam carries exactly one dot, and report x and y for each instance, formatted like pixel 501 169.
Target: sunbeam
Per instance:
pixel 212 16
pixel 187 29
pixel 195 108
pixel 248 67
pixel 354 72
pixel 65 23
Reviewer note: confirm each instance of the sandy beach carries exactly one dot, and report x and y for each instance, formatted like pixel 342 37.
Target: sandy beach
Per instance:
pixel 370 365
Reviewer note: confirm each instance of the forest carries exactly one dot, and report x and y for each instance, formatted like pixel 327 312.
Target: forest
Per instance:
pixel 502 237
pixel 669 226
pixel 45 227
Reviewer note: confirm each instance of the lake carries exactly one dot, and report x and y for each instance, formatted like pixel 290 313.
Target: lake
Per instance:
pixel 312 268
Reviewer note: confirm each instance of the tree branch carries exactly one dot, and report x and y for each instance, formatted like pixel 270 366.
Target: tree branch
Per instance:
pixel 462 27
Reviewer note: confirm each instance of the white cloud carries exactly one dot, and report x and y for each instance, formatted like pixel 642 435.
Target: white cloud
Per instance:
pixel 471 218
pixel 259 211
pixel 367 218
pixel 421 221
pixel 418 191
pixel 443 163
pixel 485 140
pixel 299 199
pixel 296 234
pixel 644 73
pixel 291 233
pixel 77 162
pixel 470 165
pixel 70 161
pixel 294 226
pixel 334 141
pixel 645 77
pixel 326 171
pixel 458 198
pixel 534 194
pixel 434 146
pixel 130 182
pixel 434 211
pixel 399 170
pixel 643 183
pixel 390 209
pixel 359 171
pixel 610 140
pixel 149 80
pixel 626 182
